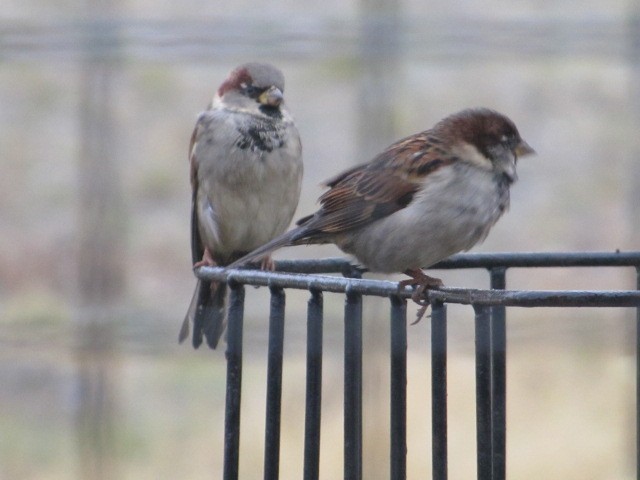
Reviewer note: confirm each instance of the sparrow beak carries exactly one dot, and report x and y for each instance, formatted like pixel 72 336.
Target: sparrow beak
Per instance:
pixel 523 148
pixel 271 97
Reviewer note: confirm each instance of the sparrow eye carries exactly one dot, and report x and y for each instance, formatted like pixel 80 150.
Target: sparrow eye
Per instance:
pixel 251 91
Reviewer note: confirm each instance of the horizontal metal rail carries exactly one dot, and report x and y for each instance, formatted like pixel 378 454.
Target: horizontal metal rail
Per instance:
pixel 483 260
pixel 383 288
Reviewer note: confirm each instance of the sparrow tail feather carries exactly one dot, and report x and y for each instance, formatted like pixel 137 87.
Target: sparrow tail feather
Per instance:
pixel 215 318
pixel 207 312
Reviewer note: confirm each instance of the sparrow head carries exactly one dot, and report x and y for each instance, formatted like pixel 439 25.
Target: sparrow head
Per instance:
pixel 486 139
pixel 253 85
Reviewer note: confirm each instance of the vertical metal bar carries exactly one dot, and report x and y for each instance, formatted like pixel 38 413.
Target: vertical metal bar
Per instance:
pixel 439 391
pixel 274 385
pixel 353 387
pixel 314 387
pixel 398 388
pixel 638 379
pixel 483 391
pixel 498 379
pixel 234 383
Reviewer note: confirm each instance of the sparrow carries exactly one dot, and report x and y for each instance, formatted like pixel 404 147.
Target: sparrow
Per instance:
pixel 424 198
pixel 246 173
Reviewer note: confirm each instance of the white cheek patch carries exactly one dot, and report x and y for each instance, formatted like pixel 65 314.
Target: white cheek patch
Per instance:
pixel 472 155
pixel 216 101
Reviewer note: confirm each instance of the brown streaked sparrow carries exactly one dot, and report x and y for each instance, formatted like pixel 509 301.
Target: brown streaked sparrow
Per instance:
pixel 246 174
pixel 423 199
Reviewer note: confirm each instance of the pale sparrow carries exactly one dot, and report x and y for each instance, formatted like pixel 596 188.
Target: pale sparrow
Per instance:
pixel 246 173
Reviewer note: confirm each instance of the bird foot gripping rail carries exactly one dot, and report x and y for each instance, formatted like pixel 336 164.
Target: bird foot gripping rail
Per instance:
pixel 490 355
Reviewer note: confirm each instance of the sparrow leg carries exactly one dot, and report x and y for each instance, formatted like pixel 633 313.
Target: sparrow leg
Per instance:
pixel 423 282
pixel 267 263
pixel 207 260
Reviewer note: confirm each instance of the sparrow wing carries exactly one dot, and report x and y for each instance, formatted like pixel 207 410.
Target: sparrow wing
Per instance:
pixel 197 248
pixel 369 192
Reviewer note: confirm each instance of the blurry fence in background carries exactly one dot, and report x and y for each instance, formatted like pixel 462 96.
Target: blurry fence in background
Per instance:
pixel 457 39
pixel 377 41
pixel 490 354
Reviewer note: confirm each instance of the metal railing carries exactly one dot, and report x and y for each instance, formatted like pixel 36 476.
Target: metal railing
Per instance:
pixel 490 352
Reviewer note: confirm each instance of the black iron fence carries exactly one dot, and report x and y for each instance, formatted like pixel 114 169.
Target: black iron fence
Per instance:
pixel 490 353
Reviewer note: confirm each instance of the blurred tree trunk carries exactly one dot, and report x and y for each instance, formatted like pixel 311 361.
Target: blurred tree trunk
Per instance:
pixel 633 207
pixel 634 195
pixel 101 269
pixel 379 77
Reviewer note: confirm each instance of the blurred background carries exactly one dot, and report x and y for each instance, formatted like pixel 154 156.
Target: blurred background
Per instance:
pixel 99 99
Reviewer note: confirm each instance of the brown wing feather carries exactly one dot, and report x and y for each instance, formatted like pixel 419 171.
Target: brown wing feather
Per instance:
pixel 369 192
pixel 197 248
pixel 363 197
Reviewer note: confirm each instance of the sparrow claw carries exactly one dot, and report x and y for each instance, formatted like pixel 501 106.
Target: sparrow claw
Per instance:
pixel 422 282
pixel 267 263
pixel 420 313
pixel 207 260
